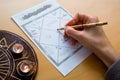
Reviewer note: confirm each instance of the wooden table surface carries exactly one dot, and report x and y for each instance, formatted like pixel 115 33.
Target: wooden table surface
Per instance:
pixel 90 69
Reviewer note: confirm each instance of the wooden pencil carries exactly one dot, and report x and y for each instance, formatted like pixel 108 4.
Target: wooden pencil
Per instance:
pixel 86 25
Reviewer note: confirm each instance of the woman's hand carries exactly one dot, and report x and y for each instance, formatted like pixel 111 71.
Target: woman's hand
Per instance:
pixel 92 38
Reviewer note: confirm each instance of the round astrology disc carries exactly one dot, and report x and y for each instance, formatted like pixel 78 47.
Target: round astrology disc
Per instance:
pixel 18 60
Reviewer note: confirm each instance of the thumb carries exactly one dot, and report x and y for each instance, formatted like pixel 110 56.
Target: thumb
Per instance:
pixel 73 33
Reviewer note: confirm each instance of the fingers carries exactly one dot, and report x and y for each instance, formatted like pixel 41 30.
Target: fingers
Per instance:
pixel 74 21
pixel 73 41
pixel 85 18
pixel 79 18
pixel 73 33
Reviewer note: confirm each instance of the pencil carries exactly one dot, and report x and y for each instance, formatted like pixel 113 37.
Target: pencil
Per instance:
pixel 86 25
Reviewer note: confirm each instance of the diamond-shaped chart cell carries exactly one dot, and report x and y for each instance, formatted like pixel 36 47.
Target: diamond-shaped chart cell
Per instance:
pixel 49 37
pixel 51 52
pixel 64 54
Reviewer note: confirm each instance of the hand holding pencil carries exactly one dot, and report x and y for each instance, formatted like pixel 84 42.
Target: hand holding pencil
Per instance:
pixel 93 38
pixel 85 34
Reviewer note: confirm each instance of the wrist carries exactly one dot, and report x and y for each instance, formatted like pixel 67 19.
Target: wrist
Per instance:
pixel 107 54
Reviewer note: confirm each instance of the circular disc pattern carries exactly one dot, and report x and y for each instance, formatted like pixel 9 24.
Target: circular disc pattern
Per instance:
pixel 10 60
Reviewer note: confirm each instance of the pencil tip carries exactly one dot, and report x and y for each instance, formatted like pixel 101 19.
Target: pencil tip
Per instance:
pixel 58 29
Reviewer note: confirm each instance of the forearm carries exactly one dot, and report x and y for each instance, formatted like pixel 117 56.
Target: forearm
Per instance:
pixel 107 54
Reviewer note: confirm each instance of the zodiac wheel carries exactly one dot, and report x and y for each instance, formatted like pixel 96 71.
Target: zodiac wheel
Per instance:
pixel 18 60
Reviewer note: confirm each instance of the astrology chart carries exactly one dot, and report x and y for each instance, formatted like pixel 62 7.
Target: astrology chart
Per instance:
pixel 44 32
pixel 18 60
pixel 40 23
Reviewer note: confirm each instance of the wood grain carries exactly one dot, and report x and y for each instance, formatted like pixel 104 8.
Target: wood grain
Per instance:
pixel 92 68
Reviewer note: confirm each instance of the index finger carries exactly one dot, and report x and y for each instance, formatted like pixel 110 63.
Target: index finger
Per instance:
pixel 73 21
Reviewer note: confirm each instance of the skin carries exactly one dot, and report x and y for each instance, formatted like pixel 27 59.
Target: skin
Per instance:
pixel 92 38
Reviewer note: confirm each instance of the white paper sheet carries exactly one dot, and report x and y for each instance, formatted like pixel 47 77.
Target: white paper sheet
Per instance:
pixel 40 23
